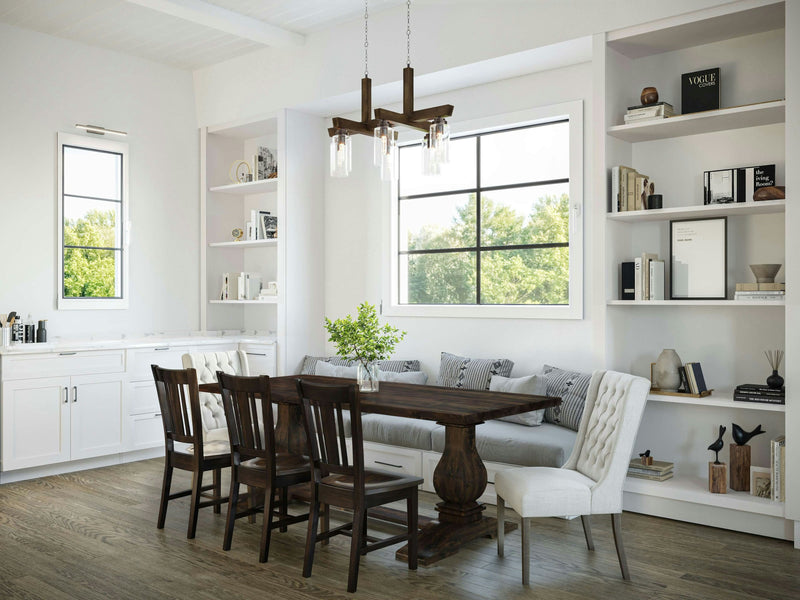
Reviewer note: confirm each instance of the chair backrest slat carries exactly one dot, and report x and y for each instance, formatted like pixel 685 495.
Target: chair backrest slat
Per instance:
pixel 248 411
pixel 179 400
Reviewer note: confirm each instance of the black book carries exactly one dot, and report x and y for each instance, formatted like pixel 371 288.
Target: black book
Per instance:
pixel 700 91
pixel 743 397
pixel 761 391
pixel 684 383
pixel 627 281
pixel 697 372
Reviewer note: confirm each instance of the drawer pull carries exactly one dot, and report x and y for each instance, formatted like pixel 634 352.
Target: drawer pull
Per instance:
pixel 66 353
pixel 74 393
pixel 256 353
pixel 156 415
pixel 160 349
pixel 66 395
pixel 385 464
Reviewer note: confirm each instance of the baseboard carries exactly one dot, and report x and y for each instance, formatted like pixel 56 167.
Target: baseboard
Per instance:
pixel 79 465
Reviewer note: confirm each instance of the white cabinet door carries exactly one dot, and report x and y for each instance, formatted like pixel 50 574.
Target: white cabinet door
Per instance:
pixel 35 422
pixel 260 358
pixel 96 403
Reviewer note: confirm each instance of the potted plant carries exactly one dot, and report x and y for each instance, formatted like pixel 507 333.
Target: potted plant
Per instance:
pixel 365 341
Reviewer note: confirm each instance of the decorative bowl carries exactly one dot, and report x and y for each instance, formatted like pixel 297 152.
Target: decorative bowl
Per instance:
pixel 765 273
pixel 649 95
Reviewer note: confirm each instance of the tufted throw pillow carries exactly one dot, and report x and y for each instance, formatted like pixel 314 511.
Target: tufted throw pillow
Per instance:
pixel 471 373
pixel 571 387
pixel 395 366
pixel 533 384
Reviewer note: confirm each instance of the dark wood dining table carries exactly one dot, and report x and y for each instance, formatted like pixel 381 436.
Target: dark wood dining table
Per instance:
pixel 460 476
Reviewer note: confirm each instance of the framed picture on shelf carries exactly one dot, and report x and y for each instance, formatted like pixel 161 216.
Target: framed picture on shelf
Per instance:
pixel 699 259
pixel 268 225
pixel 761 482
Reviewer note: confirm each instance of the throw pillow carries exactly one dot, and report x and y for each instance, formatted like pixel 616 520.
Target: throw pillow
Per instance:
pixel 415 377
pixel 310 363
pixel 571 387
pixel 533 384
pixel 471 373
pixel 325 368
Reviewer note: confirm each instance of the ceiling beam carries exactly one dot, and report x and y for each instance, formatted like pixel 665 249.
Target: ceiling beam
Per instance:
pixel 225 20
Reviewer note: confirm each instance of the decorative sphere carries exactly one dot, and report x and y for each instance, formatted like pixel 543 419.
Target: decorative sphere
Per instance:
pixel 649 95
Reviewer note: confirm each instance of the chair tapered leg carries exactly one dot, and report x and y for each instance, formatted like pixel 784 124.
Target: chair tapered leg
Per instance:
pixel 197 483
pixel 356 545
pixel 526 551
pixel 165 486
pixel 412 508
pixel 616 525
pixel 266 528
pixel 217 489
pixel 284 508
pixel 233 503
pixel 251 503
pixel 587 531
pixel 311 536
pixel 501 526
pixel 325 513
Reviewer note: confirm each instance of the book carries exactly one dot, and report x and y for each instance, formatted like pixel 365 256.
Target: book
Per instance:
pixel 770 287
pixel 638 292
pixel 690 379
pixel 630 190
pixel 700 90
pixel 666 105
pixel 659 466
pixel 656 280
pixel 697 377
pixel 758 388
pixel 642 119
pixel 627 283
pixel 647 258
pixel 777 448
pixel 745 397
pixel 642 185
pixel 723 186
pixel 684 381
pixel 761 292
pixel 653 477
pixel 614 202
pixel 760 296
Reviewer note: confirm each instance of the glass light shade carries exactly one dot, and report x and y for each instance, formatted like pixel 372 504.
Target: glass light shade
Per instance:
pixel 341 154
pixel 440 140
pixel 385 144
pixel 390 165
pixel 429 164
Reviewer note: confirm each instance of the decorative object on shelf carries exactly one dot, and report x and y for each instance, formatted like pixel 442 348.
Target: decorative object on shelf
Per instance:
pixel 770 192
pixel 240 172
pixel 269 226
pixel 699 259
pixel 765 273
pixel 741 437
pixel 271 289
pixel 267 165
pixel 648 112
pixel 657 470
pixel 774 381
pixel 755 392
pixel 716 446
pixel 777 455
pixel 740 457
pixel 237 234
pixel 41 331
pixel 365 341
pixel 717 471
pixel 645 457
pixel 695 382
pixel 700 91
pixel 649 95
pixel 725 186
pixel 654 201
pixel 666 373
pixel 760 483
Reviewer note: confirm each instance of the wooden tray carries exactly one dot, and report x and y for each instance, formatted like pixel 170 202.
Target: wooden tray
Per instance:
pixel 659 392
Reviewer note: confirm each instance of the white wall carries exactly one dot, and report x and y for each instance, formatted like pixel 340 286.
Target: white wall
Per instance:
pixel 48 85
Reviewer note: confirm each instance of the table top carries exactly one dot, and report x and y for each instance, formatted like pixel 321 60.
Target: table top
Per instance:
pixel 449 406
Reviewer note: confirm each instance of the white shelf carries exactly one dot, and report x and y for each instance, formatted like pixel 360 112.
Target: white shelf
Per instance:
pixel 268 300
pixel 736 303
pixel 695 490
pixel 245 244
pixel 243 189
pixel 738 117
pixel 722 398
pixel 700 212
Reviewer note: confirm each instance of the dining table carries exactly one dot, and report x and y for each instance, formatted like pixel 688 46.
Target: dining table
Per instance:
pixel 460 476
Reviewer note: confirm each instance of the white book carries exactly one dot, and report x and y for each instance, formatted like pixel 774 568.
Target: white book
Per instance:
pixel 637 278
pixel 647 258
pixel 254 221
pixel 656 280
pixel 241 294
pixel 615 202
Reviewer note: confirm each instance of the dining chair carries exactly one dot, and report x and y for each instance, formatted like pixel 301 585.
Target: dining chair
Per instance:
pixel 339 481
pixel 179 400
pixel 254 459
pixel 591 480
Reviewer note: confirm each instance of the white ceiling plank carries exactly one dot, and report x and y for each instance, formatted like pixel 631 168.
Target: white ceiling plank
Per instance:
pixel 225 20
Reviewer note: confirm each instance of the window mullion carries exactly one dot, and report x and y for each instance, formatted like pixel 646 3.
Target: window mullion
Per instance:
pixel 478 220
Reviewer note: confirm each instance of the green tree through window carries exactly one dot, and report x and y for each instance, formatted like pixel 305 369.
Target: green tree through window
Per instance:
pixel 89 257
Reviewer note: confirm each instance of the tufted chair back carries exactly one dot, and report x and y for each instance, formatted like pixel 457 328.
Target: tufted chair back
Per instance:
pixel 614 406
pixel 207 364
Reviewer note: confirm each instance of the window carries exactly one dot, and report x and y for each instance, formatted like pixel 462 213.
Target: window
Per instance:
pixel 498 232
pixel 92 214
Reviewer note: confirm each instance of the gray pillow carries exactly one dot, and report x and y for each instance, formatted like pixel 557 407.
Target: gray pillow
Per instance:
pixel 329 370
pixel 325 368
pixel 533 384
pixel 415 377
pixel 396 366
pixel 571 387
pixel 471 373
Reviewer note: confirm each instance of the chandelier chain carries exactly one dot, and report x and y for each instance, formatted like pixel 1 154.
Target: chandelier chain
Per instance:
pixel 366 39
pixel 408 33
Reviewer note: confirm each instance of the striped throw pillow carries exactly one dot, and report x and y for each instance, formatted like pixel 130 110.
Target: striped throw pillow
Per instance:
pixel 571 387
pixel 471 373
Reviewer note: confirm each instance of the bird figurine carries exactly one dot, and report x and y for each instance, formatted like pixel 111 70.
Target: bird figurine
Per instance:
pixel 645 454
pixel 717 446
pixel 741 437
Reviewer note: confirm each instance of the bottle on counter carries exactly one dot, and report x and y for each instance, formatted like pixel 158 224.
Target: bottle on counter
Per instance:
pixel 41 331
pixel 30 330
pixel 18 330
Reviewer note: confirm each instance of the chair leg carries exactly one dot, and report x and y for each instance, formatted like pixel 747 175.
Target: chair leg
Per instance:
pixel 165 486
pixel 197 483
pixel 284 508
pixel 266 528
pixel 325 513
pixel 356 544
pixel 587 531
pixel 616 525
pixel 526 551
pixel 233 505
pixel 501 526
pixel 251 503
pixel 412 509
pixel 311 536
pixel 217 489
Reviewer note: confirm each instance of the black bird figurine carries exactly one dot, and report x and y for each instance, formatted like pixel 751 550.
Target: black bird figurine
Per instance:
pixel 717 446
pixel 645 454
pixel 741 437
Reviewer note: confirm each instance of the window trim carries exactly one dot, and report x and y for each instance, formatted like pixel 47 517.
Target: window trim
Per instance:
pixel 573 111
pixel 92 143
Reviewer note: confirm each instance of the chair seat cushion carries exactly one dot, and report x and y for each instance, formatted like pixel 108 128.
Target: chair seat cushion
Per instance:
pixel 498 441
pixel 545 492
pixel 398 431
pixel 375 481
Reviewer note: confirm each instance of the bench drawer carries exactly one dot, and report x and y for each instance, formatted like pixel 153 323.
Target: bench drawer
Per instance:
pixel 393 459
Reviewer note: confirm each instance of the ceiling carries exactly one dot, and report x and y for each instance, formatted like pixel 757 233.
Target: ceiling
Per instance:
pixel 188 34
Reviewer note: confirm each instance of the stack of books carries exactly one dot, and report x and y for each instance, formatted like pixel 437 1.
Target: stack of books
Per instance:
pixel 754 392
pixel 777 451
pixel 692 380
pixel 649 112
pixel 629 189
pixel 642 278
pixel 658 471
pixel 774 292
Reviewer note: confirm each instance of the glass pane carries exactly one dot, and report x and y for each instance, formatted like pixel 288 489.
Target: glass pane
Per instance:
pixel 438 222
pixel 539 153
pixel 532 276
pixel 92 273
pixel 441 278
pixel 92 223
pixel 92 173
pixel 531 215
pixel 458 174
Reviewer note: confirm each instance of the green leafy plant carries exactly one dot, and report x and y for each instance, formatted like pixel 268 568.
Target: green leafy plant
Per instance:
pixel 363 339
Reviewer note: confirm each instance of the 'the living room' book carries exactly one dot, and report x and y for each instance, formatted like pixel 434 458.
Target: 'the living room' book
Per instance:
pixel 700 91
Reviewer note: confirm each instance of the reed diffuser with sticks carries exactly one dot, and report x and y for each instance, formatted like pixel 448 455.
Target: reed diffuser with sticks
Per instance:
pixel 774 357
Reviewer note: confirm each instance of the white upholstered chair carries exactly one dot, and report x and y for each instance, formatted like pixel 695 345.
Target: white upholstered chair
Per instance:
pixel 207 364
pixel 591 481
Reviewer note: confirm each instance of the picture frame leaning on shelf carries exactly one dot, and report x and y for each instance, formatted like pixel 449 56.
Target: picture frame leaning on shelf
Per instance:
pixel 699 259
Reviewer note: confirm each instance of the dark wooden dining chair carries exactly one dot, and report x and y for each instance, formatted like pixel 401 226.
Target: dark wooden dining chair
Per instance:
pixel 254 460
pixel 339 482
pixel 179 400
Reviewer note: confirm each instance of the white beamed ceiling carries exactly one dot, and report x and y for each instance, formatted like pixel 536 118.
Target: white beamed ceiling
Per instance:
pixel 140 30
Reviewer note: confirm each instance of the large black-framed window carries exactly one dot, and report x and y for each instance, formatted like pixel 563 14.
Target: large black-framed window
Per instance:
pixel 493 228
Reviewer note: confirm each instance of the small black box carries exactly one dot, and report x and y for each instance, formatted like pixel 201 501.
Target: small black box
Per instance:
pixel 700 91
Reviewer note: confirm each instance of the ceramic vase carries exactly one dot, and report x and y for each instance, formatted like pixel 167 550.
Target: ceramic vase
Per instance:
pixel 367 377
pixel 666 374
pixel 775 381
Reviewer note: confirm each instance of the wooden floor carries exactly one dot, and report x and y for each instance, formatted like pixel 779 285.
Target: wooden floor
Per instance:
pixel 92 535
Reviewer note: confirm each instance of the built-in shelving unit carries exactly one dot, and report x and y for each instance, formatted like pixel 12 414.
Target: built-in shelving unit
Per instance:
pixel 721 398
pixel 700 212
pixel 244 189
pixel 245 244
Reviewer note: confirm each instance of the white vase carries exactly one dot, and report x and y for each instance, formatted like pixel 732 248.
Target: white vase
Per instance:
pixel 367 377
pixel 666 373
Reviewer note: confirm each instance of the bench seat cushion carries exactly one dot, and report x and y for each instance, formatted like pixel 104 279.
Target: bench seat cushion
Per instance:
pixel 398 431
pixel 499 441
